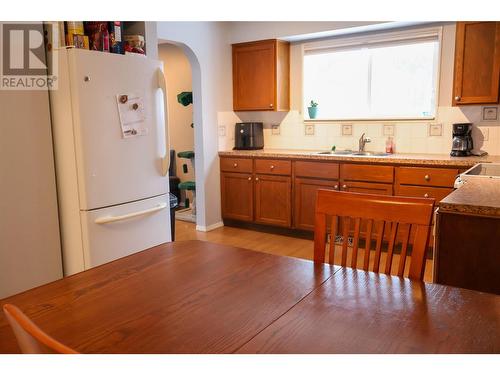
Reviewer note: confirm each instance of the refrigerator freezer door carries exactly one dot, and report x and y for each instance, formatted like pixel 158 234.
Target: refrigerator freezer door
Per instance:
pixel 114 232
pixel 114 166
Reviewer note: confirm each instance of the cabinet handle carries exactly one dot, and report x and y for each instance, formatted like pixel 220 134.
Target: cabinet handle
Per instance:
pixel 344 186
pixel 427 177
pixel 457 98
pixel 249 178
pixel 272 167
pixel 426 195
pixel 235 165
pixel 336 187
pixel 271 105
pixel 256 179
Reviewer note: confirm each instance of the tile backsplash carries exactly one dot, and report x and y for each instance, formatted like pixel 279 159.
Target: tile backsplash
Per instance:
pixel 409 137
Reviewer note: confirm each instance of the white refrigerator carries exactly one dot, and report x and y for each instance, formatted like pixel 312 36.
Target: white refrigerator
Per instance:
pixel 109 119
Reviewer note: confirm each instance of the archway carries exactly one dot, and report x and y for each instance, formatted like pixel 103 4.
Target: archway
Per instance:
pixel 197 127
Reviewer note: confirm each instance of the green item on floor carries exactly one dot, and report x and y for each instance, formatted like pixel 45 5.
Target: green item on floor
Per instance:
pixel 186 203
pixel 187 185
pixel 185 98
pixel 186 154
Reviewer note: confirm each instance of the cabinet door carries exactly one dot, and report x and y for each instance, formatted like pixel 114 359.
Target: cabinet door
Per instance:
pixel 273 200
pixel 237 196
pixel 254 78
pixel 305 200
pixel 477 63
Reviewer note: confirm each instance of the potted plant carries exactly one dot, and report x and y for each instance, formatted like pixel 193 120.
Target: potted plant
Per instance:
pixel 313 109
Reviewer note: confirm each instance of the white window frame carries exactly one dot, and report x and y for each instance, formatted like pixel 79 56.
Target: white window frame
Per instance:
pixel 372 40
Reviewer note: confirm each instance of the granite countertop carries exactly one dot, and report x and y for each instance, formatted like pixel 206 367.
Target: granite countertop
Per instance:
pixel 404 159
pixel 478 196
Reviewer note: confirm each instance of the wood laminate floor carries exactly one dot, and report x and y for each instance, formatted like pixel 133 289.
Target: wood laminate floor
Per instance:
pixel 270 243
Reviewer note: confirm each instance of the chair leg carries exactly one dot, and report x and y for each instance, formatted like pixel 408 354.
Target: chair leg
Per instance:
pixel 193 203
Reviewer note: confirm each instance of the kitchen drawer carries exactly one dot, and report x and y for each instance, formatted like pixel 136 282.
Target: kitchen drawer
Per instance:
pixel 423 191
pixel 367 172
pixel 236 165
pixel 442 177
pixel 277 167
pixel 329 171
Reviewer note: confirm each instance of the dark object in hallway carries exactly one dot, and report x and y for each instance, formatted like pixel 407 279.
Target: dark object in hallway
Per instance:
pixel 173 179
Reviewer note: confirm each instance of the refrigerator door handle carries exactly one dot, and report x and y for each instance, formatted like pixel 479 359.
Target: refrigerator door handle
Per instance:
pixel 112 219
pixel 165 162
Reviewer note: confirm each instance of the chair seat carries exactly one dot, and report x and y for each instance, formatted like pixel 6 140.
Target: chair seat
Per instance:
pixel 186 154
pixel 187 185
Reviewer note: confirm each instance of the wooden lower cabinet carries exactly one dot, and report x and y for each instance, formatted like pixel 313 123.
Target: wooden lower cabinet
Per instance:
pixel 467 253
pixel 305 190
pixel 273 197
pixel 260 190
pixel 366 187
pixel 237 196
pixel 423 192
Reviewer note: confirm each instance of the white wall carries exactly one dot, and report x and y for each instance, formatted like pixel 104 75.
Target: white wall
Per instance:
pixel 410 137
pixel 250 31
pixel 177 71
pixel 30 249
pixel 205 44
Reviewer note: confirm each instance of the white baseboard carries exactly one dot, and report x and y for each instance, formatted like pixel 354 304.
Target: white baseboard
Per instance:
pixel 202 228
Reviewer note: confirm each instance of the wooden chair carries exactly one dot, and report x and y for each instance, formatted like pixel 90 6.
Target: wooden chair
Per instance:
pixel 31 339
pixel 377 216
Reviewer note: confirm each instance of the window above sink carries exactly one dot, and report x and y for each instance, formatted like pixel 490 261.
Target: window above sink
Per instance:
pixel 388 76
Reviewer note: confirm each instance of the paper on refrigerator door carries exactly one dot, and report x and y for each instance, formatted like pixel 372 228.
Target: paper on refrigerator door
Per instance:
pixel 131 111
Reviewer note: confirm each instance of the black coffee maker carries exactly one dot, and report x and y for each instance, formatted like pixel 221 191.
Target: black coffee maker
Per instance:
pixel 462 140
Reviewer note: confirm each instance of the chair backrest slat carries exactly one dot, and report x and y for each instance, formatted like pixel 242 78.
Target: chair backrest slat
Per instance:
pixel 368 241
pixel 378 248
pixel 417 264
pixel 355 244
pixel 381 215
pixel 390 247
pixel 404 250
pixel 333 237
pixel 345 239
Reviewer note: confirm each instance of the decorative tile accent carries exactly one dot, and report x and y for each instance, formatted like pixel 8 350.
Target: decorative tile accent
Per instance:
pixel 309 129
pixel 435 130
pixel 389 130
pixel 490 113
pixel 347 129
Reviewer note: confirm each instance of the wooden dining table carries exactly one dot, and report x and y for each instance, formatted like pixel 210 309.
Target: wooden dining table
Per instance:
pixel 201 297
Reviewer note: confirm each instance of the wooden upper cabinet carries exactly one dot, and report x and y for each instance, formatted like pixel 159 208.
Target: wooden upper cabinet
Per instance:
pixel 261 76
pixel 477 63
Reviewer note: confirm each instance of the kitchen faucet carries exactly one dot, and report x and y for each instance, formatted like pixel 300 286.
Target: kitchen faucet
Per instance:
pixel 362 142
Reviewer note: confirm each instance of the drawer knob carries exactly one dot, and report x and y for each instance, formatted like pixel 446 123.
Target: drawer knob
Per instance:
pixel 272 167
pixel 271 105
pixel 235 165
pixel 457 98
pixel 336 187
pixel 426 195
pixel 256 179
pixel 344 186
pixel 427 177
pixel 249 178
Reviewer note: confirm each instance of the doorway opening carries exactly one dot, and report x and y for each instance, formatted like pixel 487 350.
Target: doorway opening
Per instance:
pixel 178 74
